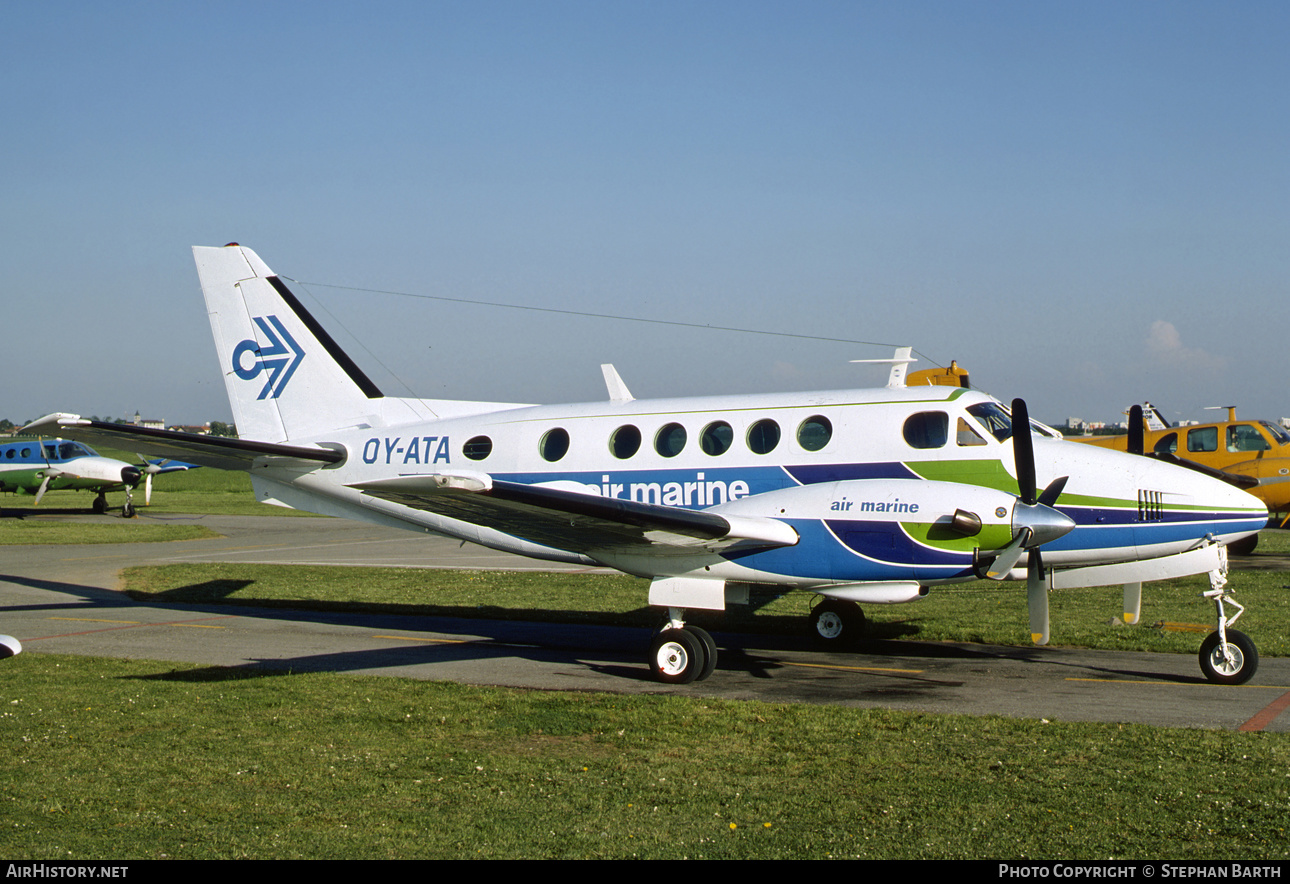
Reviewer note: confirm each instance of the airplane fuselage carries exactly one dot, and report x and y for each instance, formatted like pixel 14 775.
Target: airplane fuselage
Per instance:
pixel 24 466
pixel 867 478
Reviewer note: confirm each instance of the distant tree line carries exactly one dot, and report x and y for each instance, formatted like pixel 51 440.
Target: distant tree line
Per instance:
pixel 217 428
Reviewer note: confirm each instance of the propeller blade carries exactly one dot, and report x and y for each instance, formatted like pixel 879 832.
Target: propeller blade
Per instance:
pixel 1023 450
pixel 147 490
pixel 1136 430
pixel 1037 598
pixel 1007 559
pixel 1053 491
pixel 44 486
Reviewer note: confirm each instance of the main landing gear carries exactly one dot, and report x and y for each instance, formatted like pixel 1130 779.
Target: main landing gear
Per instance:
pixel 1226 656
pixel 680 654
pixel 837 623
pixel 100 505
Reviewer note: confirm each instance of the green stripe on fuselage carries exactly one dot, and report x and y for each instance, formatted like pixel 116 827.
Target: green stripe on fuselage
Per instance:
pixel 942 536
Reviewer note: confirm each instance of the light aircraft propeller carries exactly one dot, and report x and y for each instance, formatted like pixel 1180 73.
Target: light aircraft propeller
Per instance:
pixel 149 470
pixel 51 472
pixel 1035 522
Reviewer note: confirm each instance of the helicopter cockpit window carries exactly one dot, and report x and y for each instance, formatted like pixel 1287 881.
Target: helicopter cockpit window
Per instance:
pixel 1203 439
pixel 1243 437
pixel 993 418
pixel 1277 432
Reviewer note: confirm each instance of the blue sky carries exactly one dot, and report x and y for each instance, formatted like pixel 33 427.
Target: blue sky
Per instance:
pixel 1085 203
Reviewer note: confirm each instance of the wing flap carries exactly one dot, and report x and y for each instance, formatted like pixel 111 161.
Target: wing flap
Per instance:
pixel 574 521
pixel 208 451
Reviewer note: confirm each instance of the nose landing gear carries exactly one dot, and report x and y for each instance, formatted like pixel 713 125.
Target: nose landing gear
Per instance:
pixel 1227 656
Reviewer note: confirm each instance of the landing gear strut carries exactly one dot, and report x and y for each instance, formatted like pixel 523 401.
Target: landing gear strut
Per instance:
pixel 680 654
pixel 127 509
pixel 1226 656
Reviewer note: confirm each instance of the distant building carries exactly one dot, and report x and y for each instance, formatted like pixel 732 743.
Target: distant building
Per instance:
pixel 150 423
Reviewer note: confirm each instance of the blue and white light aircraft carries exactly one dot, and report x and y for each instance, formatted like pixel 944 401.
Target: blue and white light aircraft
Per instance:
pixel 860 496
pixel 39 465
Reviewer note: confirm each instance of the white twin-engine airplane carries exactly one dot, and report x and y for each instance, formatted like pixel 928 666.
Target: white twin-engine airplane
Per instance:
pixel 861 496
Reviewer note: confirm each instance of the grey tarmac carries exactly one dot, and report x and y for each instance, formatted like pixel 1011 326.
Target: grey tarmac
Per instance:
pixel 62 599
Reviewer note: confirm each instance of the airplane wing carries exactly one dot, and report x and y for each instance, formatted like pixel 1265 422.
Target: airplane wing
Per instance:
pixel 575 521
pixel 169 465
pixel 206 451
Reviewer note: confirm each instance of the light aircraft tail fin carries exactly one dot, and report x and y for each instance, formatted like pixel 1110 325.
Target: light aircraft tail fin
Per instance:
pixel 286 377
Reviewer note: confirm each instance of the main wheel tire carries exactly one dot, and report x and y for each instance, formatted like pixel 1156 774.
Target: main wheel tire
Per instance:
pixel 676 656
pixel 1244 546
pixel 1237 666
pixel 709 651
pixel 99 506
pixel 837 623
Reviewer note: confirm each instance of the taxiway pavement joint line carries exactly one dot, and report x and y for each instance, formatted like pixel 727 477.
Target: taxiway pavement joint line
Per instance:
pixel 1173 682
pixel 854 668
pixel 121 624
pixel 1267 714
pixel 455 641
pixel 98 620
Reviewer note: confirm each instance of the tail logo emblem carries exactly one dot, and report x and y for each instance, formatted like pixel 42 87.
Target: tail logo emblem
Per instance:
pixel 280 357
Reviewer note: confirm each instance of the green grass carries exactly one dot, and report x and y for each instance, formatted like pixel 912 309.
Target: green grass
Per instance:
pixel 982 611
pixel 133 759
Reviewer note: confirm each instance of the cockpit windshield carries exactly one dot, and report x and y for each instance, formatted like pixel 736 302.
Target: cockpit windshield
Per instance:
pixel 66 450
pixel 993 418
pixel 1277 432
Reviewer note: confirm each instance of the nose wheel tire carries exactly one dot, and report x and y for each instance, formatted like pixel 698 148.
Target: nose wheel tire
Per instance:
pixel 1233 664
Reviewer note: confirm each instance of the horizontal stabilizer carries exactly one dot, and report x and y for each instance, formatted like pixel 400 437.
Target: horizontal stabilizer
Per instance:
pixel 219 452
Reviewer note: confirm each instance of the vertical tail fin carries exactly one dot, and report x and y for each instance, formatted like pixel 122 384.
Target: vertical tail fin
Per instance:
pixel 285 376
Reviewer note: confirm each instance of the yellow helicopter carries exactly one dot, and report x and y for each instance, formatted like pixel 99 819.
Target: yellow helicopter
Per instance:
pixel 1252 454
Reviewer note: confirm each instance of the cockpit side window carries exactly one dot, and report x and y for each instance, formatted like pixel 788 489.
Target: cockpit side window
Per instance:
pixel 993 418
pixel 968 436
pixel 927 429
pixel 1244 437
pixel 1203 439
pixel 1167 444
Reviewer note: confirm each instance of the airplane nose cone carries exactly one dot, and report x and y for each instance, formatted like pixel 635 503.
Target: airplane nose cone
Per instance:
pixel 1045 523
pixel 131 475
